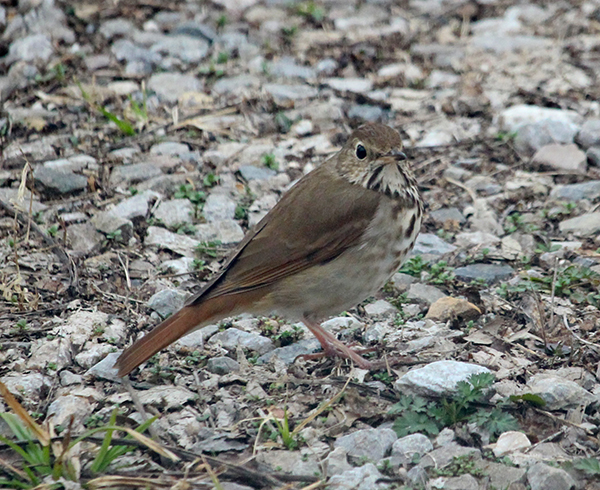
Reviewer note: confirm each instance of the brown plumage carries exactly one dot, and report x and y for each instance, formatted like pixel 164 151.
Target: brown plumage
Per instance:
pixel 331 241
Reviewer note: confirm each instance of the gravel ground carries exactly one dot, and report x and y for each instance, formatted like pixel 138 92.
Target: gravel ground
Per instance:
pixel 141 139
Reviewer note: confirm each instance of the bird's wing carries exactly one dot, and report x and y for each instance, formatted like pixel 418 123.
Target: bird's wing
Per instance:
pixel 314 222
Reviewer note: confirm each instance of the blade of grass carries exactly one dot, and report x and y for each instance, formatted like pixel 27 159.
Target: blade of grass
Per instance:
pixel 123 125
pixel 100 461
pixel 31 424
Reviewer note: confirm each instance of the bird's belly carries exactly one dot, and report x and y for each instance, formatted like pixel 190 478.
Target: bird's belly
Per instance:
pixel 332 287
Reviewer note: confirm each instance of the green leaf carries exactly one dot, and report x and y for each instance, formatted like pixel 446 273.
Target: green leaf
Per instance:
pixel 590 466
pixel 412 422
pixel 535 400
pixel 123 125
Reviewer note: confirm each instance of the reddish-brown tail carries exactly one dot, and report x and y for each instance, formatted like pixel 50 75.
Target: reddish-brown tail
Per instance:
pixel 173 328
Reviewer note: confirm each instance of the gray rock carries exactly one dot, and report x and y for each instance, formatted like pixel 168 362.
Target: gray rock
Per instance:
pixel 195 29
pixel 501 475
pixel 442 215
pixel 568 158
pixel 38 150
pixel 76 163
pixel 578 375
pixel 178 266
pixel 368 443
pixel 35 48
pixel 484 184
pixel 196 339
pixel 289 462
pixel 222 365
pixel 32 386
pixel 180 244
pixel 290 352
pixel 53 181
pixel 167 396
pixel 509 442
pixel 585 225
pixel 559 393
pixel 405 449
pixel 593 156
pixel 286 67
pixel 229 485
pixel 126 50
pixel 175 212
pixel 45 352
pixel 513 118
pixel 170 86
pixel 377 332
pixel 172 148
pixel 327 66
pixel 437 378
pixel 186 48
pixel 589 134
pixel 366 112
pixel 218 207
pixel 11 195
pixel 217 442
pixel 226 231
pixel 284 94
pixel 167 301
pixel 443 55
pixel 363 478
pixel 443 456
pixel 500 44
pixel 67 378
pixel 232 337
pixel 116 27
pixel 250 172
pixel 355 85
pixel 304 127
pixel 442 79
pixel 64 407
pixel 445 437
pixel 544 477
pixel 430 244
pixel 239 85
pixel 462 482
pixel 436 138
pixel 380 308
pixel 92 354
pixel 576 192
pixel 112 225
pixel 126 175
pixel 38 17
pixel 124 155
pixel 83 238
pixel 418 476
pixel 336 462
pixel 402 281
pixel 135 207
pixel 425 293
pixel 490 273
pixel 97 62
pixel 81 326
pixel 531 137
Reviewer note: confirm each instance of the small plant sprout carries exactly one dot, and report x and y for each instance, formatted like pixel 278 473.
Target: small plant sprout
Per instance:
pixel 269 161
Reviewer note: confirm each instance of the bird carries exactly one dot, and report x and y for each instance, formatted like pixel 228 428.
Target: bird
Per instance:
pixel 333 239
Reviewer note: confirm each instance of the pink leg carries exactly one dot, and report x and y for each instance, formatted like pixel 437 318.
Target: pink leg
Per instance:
pixel 332 347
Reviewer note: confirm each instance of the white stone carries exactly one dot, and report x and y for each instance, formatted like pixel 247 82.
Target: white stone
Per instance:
pixel 509 442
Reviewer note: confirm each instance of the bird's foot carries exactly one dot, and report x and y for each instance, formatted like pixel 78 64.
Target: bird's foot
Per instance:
pixel 341 350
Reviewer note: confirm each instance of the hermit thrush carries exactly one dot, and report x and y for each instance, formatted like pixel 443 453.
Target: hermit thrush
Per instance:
pixel 331 241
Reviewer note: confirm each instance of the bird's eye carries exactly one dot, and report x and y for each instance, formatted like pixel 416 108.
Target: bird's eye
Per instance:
pixel 361 152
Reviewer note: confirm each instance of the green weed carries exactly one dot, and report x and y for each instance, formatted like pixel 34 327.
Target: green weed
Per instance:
pixel 419 415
